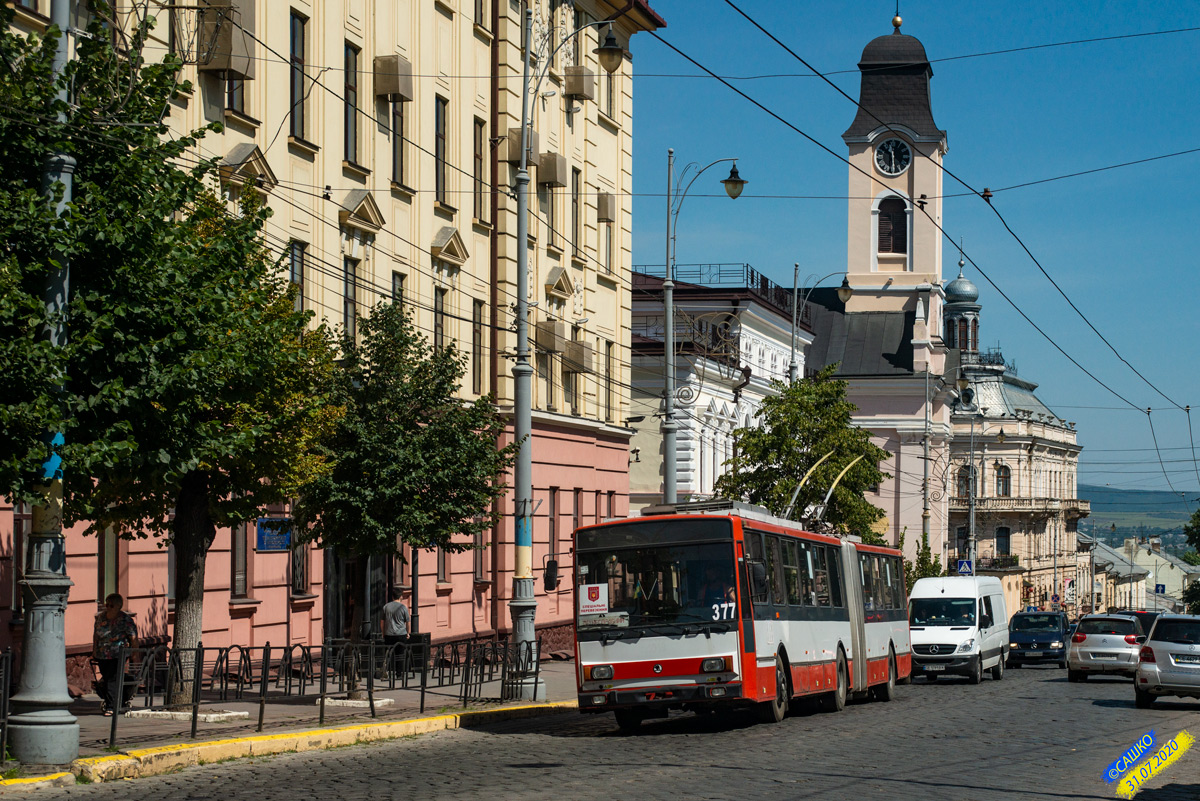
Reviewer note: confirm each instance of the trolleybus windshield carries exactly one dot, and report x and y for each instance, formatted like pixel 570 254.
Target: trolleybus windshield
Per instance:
pixel 646 575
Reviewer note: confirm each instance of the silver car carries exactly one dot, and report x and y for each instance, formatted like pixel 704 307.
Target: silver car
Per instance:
pixel 1169 663
pixel 1104 644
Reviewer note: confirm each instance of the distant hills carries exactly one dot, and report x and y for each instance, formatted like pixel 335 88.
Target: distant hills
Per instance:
pixel 1133 509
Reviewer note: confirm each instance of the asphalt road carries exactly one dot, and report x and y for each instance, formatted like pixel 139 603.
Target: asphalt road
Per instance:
pixel 1030 736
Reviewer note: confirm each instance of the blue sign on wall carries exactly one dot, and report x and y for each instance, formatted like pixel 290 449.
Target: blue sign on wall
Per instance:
pixel 274 534
pixel 1160 589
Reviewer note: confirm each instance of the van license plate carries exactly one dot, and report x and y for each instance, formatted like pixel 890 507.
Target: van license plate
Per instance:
pixel 935 667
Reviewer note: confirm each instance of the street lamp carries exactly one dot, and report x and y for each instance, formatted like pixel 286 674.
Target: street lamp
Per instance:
pixel 844 293
pixel 523 605
pixel 733 187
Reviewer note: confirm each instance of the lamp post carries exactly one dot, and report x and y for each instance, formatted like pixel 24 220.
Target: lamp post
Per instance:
pixel 523 605
pixel 733 187
pixel 844 294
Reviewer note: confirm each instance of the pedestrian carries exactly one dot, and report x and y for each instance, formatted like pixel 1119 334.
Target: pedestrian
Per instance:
pixel 114 628
pixel 393 622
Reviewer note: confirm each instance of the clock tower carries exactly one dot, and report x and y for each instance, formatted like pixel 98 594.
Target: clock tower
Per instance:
pixel 896 150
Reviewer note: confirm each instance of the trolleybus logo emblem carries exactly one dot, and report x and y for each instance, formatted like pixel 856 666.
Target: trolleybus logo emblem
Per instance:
pixel 658 668
pixel 593 594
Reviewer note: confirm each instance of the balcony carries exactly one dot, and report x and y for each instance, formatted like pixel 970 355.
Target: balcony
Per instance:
pixel 1072 507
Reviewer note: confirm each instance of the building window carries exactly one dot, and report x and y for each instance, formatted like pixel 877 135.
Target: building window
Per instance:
pixel 477 556
pixel 108 556
pixel 22 526
pixel 349 296
pixel 480 174
pixel 546 200
pixel 609 369
pixel 606 241
pixel 296 252
pixel 607 94
pixel 545 364
pixel 1003 482
pixel 477 347
pixel 297 76
pixel 441 108
pixel 299 556
pixel 893 226
pixel 961 541
pixel 571 400
pixel 576 213
pixel 350 93
pixel 481 13
pixel 577 511
pixel 612 504
pixel 398 142
pixel 1003 541
pixel 439 319
pixel 235 95
pixel 398 288
pixel 552 516
pixel 962 484
pixel 443 568
pixel 239 535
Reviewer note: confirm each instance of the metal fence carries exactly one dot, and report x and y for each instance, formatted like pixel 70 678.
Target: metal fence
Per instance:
pixel 6 672
pixel 181 679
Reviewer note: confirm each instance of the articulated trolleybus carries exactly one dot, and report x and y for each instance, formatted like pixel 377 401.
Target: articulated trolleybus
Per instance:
pixel 715 605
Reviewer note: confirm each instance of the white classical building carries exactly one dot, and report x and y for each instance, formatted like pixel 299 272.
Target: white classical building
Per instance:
pixel 733 330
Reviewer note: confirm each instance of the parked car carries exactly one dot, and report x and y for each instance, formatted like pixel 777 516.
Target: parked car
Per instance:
pixel 1107 643
pixel 958 626
pixel 1144 617
pixel 1037 638
pixel 1169 661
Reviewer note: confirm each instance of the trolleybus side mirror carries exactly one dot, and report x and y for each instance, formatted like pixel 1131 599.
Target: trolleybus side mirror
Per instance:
pixel 550 576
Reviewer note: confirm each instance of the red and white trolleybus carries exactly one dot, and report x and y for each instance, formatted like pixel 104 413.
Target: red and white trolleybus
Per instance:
pixel 719 604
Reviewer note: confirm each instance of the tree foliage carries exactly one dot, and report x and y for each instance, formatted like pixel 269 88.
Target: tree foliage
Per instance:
pixel 1192 557
pixel 797 426
pixel 416 464
pixel 926 565
pixel 194 391
pixel 1191 531
pixel 1191 598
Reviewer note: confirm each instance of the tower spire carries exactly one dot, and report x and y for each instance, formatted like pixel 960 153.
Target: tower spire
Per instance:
pixel 896 20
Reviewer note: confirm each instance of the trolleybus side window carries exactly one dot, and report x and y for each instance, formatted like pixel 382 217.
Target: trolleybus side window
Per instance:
pixel 820 576
pixel 835 578
pixel 868 580
pixel 754 555
pixel 791 572
pixel 808 592
pixel 775 570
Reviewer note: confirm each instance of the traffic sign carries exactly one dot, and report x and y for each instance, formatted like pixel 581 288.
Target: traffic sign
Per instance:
pixel 1054 598
pixel 1160 589
pixel 1031 608
pixel 964 567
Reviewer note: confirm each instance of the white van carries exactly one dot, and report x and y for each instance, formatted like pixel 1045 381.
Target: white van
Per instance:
pixel 959 626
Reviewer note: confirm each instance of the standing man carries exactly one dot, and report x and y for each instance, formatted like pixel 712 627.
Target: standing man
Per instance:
pixel 393 622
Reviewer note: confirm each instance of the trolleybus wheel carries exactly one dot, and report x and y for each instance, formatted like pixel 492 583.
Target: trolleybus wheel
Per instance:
pixel 886 692
pixel 774 711
pixel 628 719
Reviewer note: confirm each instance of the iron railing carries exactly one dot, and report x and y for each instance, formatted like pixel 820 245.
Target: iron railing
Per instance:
pixel 6 663
pixel 732 276
pixel 156 676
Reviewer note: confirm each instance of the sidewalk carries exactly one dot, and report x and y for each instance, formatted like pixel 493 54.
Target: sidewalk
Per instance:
pixel 146 747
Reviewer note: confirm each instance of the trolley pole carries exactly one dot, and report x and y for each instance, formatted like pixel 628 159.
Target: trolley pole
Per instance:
pixel 43 731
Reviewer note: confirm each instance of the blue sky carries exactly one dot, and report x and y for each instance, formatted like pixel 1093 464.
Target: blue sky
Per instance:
pixel 1120 243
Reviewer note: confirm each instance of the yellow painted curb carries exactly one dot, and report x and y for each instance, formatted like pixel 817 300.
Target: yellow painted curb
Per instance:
pixel 52 780
pixel 162 759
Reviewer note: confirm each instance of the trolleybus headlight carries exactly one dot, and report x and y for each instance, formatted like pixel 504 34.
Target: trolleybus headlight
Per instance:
pixel 601 672
pixel 598 700
pixel 714 664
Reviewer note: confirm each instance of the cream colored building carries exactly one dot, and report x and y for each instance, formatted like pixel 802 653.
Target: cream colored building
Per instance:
pixel 384 138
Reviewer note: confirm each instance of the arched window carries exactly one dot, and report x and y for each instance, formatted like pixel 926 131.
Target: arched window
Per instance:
pixel 963 341
pixel 963 482
pixel 950 341
pixel 974 335
pixel 893 226
pixel 1003 541
pixel 1003 482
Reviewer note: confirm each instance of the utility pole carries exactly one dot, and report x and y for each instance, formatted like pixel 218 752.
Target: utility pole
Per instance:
pixel 669 426
pixel 43 731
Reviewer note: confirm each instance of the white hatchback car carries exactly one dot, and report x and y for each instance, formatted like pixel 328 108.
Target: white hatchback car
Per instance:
pixel 1104 644
pixel 1169 662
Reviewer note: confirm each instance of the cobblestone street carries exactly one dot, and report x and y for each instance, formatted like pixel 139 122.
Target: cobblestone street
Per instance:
pixel 1031 735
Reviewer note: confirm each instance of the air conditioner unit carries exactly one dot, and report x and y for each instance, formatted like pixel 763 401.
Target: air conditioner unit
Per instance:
pixel 393 78
pixel 606 207
pixel 551 335
pixel 510 147
pixel 579 357
pixel 552 169
pixel 226 38
pixel 581 83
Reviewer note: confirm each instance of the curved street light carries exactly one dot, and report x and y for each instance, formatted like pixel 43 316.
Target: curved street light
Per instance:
pixel 844 294
pixel 733 187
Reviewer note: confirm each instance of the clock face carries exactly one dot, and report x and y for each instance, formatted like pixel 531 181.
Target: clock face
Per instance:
pixel 892 157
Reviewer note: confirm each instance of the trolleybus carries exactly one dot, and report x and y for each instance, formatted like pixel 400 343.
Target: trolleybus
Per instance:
pixel 718 604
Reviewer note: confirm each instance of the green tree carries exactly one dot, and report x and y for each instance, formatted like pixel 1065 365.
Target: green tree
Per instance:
pixel 1191 598
pixel 1191 531
pixel 194 390
pixel 1192 557
pixel 416 464
pixel 926 565
pixel 797 426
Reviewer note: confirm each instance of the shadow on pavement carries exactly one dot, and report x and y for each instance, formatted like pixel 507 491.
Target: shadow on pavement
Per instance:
pixel 1171 792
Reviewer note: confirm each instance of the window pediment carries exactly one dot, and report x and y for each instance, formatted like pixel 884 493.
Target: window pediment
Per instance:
pixel 448 246
pixel 559 285
pixel 245 165
pixel 359 210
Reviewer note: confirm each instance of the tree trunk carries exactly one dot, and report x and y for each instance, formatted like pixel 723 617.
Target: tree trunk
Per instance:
pixel 192 535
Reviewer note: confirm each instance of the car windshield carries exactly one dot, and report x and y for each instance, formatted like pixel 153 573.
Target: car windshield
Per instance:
pixel 941 612
pixel 1107 625
pixel 1178 631
pixel 656 585
pixel 1045 623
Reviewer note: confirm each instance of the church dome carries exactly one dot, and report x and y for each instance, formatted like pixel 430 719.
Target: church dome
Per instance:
pixel 961 290
pixel 896 49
